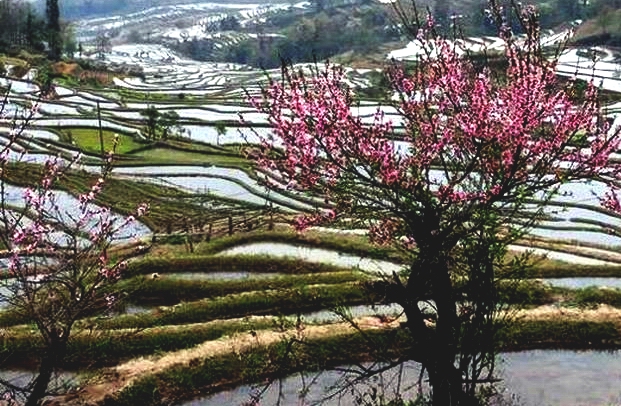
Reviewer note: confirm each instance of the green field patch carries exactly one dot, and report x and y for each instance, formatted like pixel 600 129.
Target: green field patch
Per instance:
pixel 558 269
pixel 88 140
pixel 526 293
pixel 593 296
pixel 173 156
pixel 558 334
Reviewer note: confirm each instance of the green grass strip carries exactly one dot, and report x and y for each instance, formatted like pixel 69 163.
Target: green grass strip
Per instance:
pixel 96 348
pixel 558 334
pixel 562 270
pixel 241 263
pixel 284 301
pixel 169 290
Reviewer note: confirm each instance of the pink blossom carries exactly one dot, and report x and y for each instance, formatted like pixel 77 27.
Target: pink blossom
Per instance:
pixel 491 140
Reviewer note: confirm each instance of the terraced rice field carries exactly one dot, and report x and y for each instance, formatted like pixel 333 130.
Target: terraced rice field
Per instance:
pixel 189 300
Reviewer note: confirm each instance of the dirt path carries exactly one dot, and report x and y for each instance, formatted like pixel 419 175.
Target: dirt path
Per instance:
pixel 117 378
pixel 601 313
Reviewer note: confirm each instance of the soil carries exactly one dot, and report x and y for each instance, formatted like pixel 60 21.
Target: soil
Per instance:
pixel 115 379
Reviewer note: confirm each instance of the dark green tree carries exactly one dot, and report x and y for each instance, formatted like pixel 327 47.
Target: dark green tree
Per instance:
pixel 102 45
pixel 320 5
pixel 30 29
pixel 220 130
pixel 54 37
pixel 44 78
pixel 151 115
pixel 169 123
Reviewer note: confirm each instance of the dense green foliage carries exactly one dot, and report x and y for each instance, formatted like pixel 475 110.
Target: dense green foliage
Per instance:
pixel 22 27
pixel 27 30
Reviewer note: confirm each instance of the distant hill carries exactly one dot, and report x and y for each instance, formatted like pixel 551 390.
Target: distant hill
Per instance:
pixel 296 30
pixel 602 28
pixel 553 12
pixel 78 9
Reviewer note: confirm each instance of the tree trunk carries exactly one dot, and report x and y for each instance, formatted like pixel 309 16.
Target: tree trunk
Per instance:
pixel 444 378
pixel 440 346
pixel 50 361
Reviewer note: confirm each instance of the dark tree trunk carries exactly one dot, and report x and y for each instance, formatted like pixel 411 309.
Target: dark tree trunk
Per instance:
pixel 430 278
pixel 50 361
pixel 444 377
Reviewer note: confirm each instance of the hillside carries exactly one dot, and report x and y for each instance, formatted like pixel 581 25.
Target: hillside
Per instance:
pixel 264 34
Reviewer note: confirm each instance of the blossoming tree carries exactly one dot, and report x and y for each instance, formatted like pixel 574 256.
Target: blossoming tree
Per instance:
pixel 57 267
pixel 474 152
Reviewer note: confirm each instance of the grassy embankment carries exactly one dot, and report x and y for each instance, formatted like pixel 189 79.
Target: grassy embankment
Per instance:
pixel 207 310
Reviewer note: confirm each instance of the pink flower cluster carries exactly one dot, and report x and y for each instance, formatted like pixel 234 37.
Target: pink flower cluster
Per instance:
pixel 611 201
pixel 305 221
pixel 470 139
pixel 384 232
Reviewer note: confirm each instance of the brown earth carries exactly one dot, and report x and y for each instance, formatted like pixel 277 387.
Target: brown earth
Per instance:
pixel 115 379
pixel 69 69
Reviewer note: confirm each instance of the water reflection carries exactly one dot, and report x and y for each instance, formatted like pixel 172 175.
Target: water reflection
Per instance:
pixel 531 378
pixel 580 283
pixel 319 255
pixel 62 381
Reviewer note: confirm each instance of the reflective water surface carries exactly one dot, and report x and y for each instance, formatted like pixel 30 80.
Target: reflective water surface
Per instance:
pixel 531 378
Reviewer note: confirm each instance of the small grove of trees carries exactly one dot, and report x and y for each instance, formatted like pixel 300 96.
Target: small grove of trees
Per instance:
pixel 69 42
pixel 229 23
pixel 160 125
pixel 59 261
pixel 478 151
pixel 22 27
pixel 361 29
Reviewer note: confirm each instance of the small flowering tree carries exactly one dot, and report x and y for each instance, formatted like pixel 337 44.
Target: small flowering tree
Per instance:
pixel 59 267
pixel 475 152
